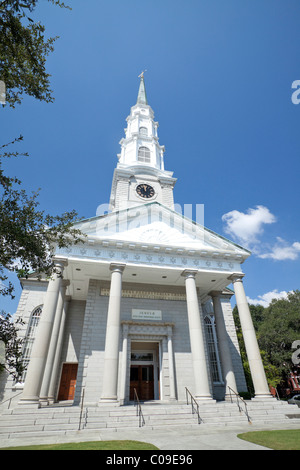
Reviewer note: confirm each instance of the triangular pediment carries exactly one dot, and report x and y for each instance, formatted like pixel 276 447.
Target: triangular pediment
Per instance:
pixel 155 224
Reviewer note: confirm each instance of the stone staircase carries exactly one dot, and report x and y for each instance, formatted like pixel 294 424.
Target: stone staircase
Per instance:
pixel 65 420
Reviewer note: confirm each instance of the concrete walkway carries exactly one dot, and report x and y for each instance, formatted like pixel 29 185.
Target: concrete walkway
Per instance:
pixel 174 438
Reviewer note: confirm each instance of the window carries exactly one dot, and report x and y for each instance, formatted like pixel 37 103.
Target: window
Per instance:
pixel 144 155
pixel 143 131
pixel 213 353
pixel 142 356
pixel 30 336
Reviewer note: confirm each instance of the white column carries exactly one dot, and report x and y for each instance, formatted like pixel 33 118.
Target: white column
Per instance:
pixel 254 358
pixel 44 394
pixel 202 390
pixel 56 364
pixel 111 357
pixel 223 343
pixel 40 347
pixel 124 365
pixel 171 365
pixel 160 364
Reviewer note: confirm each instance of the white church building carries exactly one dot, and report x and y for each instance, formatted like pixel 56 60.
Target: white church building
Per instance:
pixel 143 304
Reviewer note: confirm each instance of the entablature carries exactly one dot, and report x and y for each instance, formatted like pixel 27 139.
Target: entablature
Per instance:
pixel 153 255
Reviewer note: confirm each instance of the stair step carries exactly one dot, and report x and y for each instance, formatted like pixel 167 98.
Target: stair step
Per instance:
pixel 64 420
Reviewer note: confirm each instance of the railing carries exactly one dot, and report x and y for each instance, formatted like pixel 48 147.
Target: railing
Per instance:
pixel 139 412
pixel 81 410
pixel 195 406
pixel 10 399
pixel 238 399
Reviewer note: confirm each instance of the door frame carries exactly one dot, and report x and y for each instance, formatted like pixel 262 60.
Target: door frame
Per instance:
pixel 142 332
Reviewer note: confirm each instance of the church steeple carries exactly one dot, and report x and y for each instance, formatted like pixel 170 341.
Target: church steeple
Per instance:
pixel 141 161
pixel 140 145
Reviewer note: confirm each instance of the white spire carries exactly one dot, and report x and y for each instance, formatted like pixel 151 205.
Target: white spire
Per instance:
pixel 140 145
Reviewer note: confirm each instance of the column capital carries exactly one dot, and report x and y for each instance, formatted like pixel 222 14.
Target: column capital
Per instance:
pixel 189 273
pixel 58 266
pixel 215 293
pixel 60 262
pixel 236 277
pixel 117 267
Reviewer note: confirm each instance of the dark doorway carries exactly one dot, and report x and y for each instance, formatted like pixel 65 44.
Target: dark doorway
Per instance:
pixel 141 379
pixel 68 382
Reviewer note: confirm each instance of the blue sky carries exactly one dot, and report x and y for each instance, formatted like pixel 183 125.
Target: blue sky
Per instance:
pixel 219 79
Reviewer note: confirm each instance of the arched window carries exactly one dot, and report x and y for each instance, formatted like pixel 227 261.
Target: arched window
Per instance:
pixel 144 155
pixel 143 131
pixel 30 337
pixel 212 343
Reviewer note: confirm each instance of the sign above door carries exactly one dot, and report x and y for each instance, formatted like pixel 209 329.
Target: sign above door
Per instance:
pixel 146 314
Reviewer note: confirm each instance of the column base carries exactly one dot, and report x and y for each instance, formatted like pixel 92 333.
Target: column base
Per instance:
pixel 30 403
pixel 203 399
pixel 263 396
pixel 229 397
pixel 108 400
pixel 44 401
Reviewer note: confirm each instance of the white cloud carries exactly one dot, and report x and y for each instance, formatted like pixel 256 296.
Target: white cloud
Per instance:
pixel 283 251
pixel 266 298
pixel 245 227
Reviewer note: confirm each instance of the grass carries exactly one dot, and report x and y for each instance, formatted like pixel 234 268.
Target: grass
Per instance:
pixel 276 440
pixel 93 445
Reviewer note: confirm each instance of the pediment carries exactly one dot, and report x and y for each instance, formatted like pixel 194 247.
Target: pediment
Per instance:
pixel 154 224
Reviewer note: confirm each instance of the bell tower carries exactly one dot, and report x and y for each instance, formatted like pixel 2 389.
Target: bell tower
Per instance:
pixel 140 175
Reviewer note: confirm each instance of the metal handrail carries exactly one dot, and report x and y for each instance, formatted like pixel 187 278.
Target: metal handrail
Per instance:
pixel 10 399
pixel 195 406
pixel 139 412
pixel 238 397
pixel 81 409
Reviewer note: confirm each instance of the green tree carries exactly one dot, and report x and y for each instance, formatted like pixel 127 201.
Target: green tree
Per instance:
pixel 23 51
pixel 280 327
pixel 28 235
pixel 12 360
pixel 276 326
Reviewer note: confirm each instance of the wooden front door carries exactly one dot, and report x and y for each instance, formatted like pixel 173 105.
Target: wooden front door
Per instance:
pixel 141 379
pixel 68 382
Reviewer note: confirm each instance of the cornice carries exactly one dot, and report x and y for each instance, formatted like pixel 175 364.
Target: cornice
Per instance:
pixel 144 254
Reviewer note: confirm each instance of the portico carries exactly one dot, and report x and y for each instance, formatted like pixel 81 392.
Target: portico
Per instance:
pixel 153 330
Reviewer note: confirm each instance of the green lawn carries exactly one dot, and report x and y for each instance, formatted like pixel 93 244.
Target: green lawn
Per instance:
pixel 277 440
pixel 94 445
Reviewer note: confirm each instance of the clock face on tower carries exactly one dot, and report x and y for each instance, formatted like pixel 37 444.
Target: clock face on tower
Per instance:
pixel 145 190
